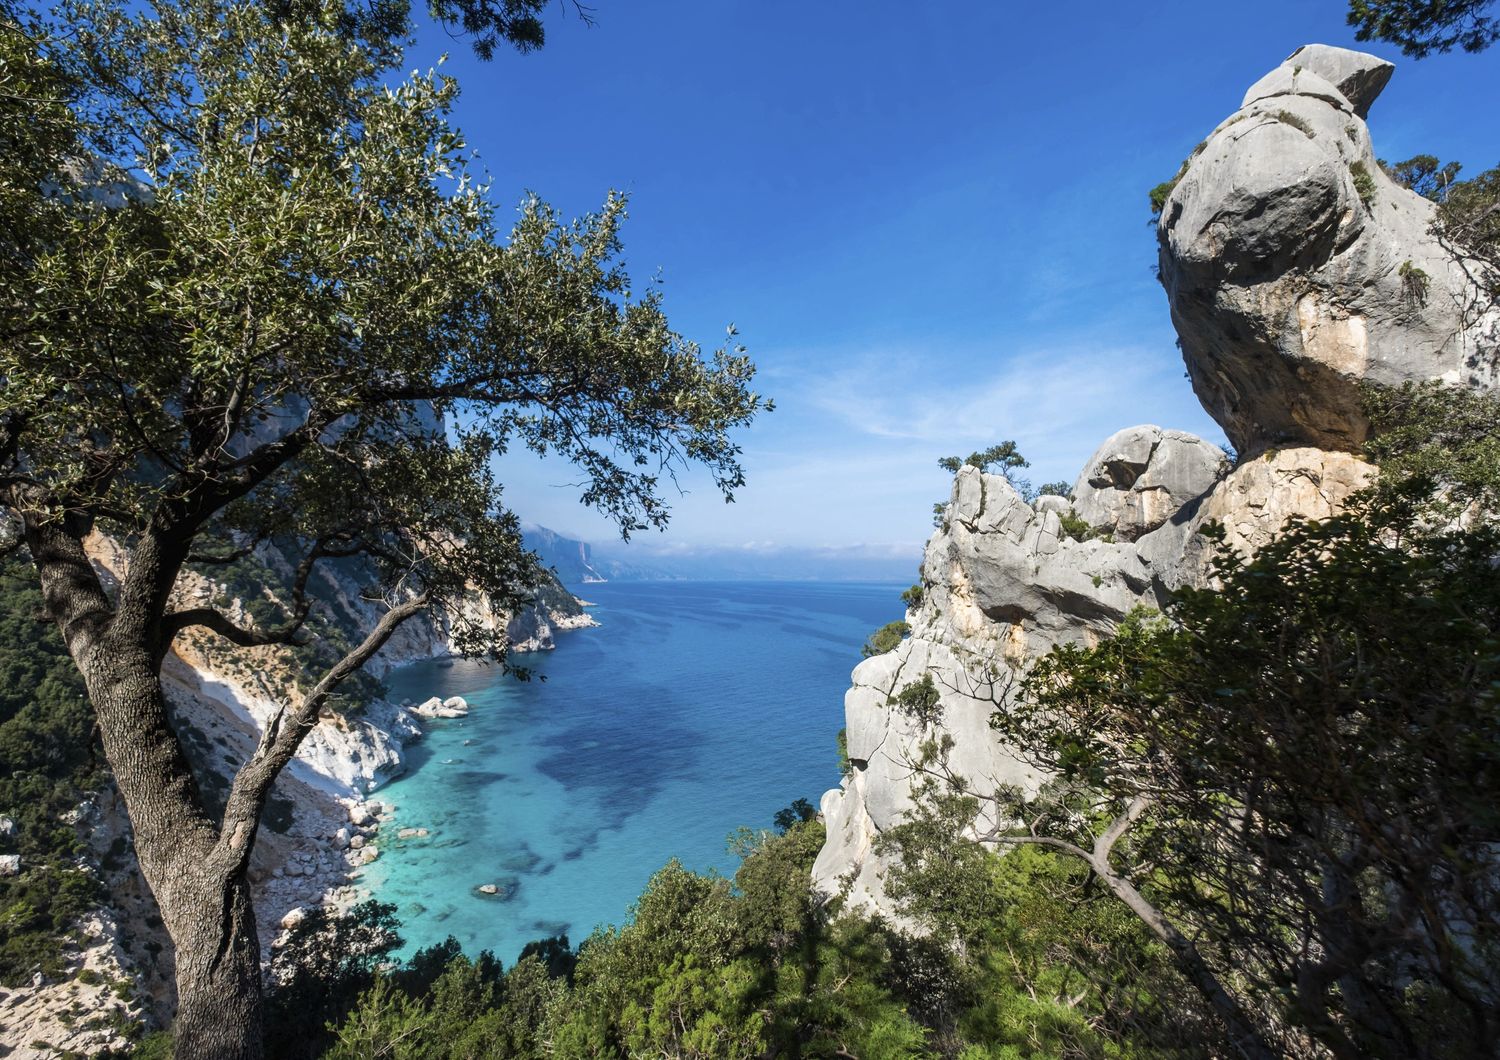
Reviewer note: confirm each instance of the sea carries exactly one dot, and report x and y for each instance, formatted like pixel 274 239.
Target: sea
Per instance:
pixel 693 709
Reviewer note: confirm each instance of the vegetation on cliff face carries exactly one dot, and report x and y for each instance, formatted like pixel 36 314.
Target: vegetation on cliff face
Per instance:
pixel 48 765
pixel 1286 781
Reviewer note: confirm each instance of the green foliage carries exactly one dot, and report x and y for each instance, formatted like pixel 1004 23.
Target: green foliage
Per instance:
pixel 1437 448
pixel 1159 194
pixel 1002 459
pixel 320 971
pixel 1469 218
pixel 1364 183
pixel 1286 117
pixel 1423 174
pixel 707 967
pixel 1055 489
pixel 885 639
pixel 912 597
pixel 1074 525
pixel 489 23
pixel 1033 959
pixel 800 811
pixel 846 767
pixel 48 765
pixel 1163 191
pixel 1421 27
pixel 1414 281
pixel 919 700
pixel 1336 692
pixel 294 238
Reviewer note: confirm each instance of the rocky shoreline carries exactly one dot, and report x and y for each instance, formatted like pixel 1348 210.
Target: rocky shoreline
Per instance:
pixel 322 830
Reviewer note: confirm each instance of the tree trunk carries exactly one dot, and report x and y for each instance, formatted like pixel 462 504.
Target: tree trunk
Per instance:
pixel 204 901
pixel 194 865
pixel 218 974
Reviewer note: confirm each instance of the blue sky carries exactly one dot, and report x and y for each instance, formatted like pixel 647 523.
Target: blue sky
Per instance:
pixel 928 220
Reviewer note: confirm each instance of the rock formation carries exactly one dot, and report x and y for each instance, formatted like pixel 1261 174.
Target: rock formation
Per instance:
pixel 1296 268
pixel 1296 271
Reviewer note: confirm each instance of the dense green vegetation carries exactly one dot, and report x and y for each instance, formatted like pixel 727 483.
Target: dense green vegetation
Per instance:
pixel 1025 959
pixel 48 767
pixel 885 639
pixel 1296 770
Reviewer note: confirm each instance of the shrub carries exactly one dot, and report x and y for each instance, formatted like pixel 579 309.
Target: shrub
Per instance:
pixel 919 700
pixel 1364 183
pixel 1414 281
pixel 885 639
pixel 1286 117
pixel 1075 526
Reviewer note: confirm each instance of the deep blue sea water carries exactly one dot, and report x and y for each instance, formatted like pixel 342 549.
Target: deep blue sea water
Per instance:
pixel 694 708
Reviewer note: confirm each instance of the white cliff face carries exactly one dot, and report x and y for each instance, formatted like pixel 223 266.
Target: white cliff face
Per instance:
pixel 1288 258
pixel 1003 581
pixel 1295 268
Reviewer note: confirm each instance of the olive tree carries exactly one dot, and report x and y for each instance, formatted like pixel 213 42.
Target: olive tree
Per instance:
pixel 252 293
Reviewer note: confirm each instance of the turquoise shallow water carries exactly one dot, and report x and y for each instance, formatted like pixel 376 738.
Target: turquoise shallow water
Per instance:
pixel 694 708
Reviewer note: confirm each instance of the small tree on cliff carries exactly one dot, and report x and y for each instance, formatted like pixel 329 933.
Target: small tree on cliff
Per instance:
pixel 242 269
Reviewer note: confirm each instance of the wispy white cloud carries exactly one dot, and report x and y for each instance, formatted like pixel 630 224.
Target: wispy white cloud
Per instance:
pixel 1040 395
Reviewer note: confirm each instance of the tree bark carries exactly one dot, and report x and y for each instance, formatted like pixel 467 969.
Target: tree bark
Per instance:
pixel 194 865
pixel 219 996
pixel 203 895
pixel 204 900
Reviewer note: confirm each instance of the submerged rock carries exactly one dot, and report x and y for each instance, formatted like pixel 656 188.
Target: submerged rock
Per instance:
pixel 502 890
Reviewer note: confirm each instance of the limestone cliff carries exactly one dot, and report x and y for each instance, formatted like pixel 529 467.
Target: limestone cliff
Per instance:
pixel 1295 271
pixel 318 831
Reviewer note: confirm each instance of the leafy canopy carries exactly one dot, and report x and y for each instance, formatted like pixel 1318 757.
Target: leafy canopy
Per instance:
pixel 1316 743
pixel 254 290
pixel 1421 27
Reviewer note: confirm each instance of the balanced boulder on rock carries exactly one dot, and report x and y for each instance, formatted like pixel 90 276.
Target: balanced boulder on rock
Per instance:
pixel 1296 269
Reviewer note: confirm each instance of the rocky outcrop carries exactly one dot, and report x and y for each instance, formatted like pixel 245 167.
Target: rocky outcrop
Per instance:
pixel 1296 271
pixel 1003 581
